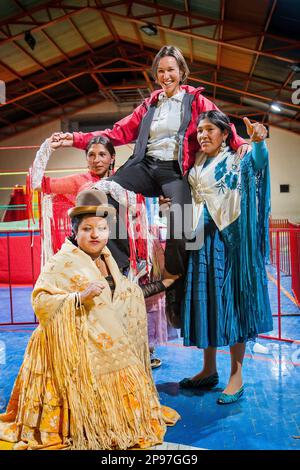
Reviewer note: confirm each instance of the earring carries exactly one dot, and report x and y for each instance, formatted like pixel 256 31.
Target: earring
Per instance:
pixel 223 146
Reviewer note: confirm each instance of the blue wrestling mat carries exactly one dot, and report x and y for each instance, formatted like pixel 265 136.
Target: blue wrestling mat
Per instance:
pixel 267 417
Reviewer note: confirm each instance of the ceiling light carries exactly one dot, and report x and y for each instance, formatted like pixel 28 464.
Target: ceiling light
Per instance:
pixel 263 105
pixel 275 108
pixel 295 67
pixel 30 39
pixel 149 29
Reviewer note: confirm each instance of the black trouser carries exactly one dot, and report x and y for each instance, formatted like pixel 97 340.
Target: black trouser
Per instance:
pixel 118 244
pixel 152 178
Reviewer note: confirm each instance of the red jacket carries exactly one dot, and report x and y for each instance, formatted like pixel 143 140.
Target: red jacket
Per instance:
pixel 127 129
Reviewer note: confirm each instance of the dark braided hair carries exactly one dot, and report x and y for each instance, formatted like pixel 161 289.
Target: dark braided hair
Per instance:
pixel 75 222
pixel 220 120
pixel 107 143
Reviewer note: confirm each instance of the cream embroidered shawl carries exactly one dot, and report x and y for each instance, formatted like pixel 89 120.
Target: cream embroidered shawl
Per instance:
pixel 85 382
pixel 218 186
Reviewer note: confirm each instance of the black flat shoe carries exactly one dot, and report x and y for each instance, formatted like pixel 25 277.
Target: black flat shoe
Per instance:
pixel 206 383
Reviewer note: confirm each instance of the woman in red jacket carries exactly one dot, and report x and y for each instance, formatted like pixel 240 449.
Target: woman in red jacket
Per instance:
pixel 164 129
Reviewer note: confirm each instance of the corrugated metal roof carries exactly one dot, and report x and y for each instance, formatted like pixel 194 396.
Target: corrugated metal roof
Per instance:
pixel 236 49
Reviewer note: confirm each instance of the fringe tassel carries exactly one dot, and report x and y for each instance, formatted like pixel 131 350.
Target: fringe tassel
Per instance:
pixel 246 266
pixel 139 239
pixel 46 228
pixel 116 411
pixel 61 223
pixel 29 197
pixel 142 230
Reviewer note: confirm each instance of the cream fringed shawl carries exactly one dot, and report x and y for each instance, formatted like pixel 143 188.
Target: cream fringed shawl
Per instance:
pixel 85 381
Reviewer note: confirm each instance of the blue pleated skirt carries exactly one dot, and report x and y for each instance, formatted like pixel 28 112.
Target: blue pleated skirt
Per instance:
pixel 213 311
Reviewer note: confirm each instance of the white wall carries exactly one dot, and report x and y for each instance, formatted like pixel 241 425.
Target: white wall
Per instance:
pixel 284 158
pixel 284 149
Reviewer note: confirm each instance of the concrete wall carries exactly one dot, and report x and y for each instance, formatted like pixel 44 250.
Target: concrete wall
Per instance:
pixel 284 149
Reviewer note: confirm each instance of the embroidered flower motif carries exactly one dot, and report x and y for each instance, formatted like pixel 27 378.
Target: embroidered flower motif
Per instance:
pixel 123 295
pixel 220 170
pixel 79 283
pixel 104 341
pixel 68 264
pixel 48 396
pixel 231 179
pixel 221 187
pixel 11 430
pixel 53 421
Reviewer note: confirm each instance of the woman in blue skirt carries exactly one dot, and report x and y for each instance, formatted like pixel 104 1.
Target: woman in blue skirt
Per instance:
pixel 226 294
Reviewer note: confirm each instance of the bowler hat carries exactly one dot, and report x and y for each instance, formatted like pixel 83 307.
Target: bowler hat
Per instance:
pixel 92 201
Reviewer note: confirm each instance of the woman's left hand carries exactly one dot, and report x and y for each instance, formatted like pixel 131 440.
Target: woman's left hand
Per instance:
pixel 256 131
pixel 243 149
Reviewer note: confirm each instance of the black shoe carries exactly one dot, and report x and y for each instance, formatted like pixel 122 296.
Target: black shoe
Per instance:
pixel 206 383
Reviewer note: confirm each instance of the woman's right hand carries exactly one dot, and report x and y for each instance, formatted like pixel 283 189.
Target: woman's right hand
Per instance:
pixel 256 130
pixel 54 141
pixel 94 288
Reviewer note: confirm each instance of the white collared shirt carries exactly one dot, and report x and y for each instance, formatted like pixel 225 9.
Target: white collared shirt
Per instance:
pixel 163 140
